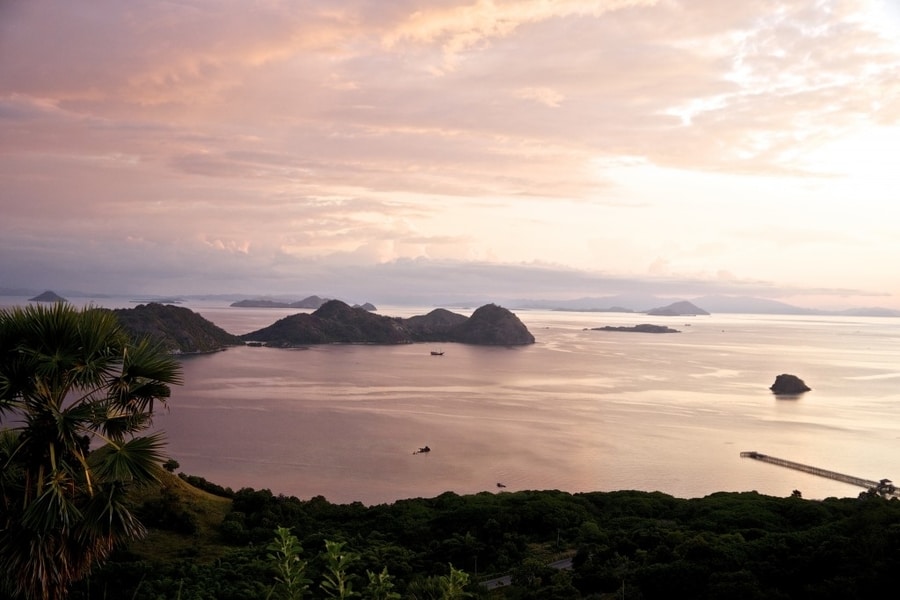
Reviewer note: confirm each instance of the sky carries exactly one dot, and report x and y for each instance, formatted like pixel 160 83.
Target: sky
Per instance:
pixel 446 149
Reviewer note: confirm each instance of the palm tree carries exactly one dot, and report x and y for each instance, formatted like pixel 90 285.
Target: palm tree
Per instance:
pixel 75 392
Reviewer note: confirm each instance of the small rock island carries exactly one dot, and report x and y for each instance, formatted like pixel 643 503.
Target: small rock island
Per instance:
pixel 786 384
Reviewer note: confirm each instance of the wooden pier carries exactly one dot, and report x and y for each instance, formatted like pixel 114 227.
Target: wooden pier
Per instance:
pixel 883 487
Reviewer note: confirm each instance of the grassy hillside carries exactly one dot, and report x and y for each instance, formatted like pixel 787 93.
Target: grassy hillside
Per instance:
pixel 177 328
pixel 183 521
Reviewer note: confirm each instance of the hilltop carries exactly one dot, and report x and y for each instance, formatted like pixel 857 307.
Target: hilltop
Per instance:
pixel 677 309
pixel 178 329
pixel 181 519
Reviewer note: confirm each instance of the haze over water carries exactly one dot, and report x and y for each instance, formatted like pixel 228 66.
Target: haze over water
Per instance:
pixel 579 410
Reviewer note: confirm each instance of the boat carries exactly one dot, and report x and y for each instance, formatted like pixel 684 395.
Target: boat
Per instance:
pixel 437 352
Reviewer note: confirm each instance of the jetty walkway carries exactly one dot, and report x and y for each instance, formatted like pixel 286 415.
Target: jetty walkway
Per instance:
pixel 883 487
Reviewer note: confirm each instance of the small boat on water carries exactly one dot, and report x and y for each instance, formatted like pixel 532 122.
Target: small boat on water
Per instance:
pixel 437 352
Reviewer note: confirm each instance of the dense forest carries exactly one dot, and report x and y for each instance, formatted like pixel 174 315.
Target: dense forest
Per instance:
pixel 627 544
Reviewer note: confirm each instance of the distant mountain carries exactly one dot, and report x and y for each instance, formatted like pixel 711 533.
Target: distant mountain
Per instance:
pixel 336 322
pixel 677 309
pixel 713 304
pixel 869 312
pixel 158 301
pixel 617 303
pixel 178 329
pixel 749 305
pixel 5 291
pixel 611 309
pixel 48 296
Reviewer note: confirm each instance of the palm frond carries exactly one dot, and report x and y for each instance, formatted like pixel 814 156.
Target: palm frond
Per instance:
pixel 109 517
pixel 55 507
pixel 136 461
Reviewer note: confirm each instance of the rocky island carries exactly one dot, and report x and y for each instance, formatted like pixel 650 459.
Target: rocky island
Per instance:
pixel 337 322
pixel 788 385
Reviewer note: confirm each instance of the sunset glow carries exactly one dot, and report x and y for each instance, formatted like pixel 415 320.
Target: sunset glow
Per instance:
pixel 448 149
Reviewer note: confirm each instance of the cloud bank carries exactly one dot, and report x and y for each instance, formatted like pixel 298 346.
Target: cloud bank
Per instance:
pixel 224 147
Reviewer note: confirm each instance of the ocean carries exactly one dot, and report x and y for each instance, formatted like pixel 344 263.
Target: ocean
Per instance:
pixel 580 410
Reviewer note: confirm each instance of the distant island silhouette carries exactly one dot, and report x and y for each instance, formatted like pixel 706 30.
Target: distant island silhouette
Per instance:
pixel 48 296
pixel 682 308
pixel 644 328
pixel 337 322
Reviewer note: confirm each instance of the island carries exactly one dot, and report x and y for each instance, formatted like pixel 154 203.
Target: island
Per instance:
pixel 313 302
pixel 788 385
pixel 48 296
pixel 644 328
pixel 677 309
pixel 178 329
pixel 337 322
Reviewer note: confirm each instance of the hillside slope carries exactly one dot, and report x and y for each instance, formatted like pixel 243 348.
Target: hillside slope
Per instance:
pixel 178 329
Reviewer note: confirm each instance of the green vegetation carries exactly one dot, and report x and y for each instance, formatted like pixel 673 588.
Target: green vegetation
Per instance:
pixel 176 328
pixel 651 545
pixel 284 553
pixel 71 380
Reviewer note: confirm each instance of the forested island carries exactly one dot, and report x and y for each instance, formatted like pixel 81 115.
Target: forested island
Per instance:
pixel 336 322
pixel 181 330
pixel 178 329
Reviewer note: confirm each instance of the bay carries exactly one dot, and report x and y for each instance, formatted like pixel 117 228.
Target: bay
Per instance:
pixel 580 410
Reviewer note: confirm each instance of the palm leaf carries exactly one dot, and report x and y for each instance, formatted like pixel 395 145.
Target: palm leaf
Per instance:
pixel 136 461
pixel 55 507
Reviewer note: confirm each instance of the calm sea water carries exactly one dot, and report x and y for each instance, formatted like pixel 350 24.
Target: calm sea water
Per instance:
pixel 580 410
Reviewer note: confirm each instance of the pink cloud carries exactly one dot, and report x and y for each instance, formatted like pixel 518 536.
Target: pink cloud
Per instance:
pixel 356 129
